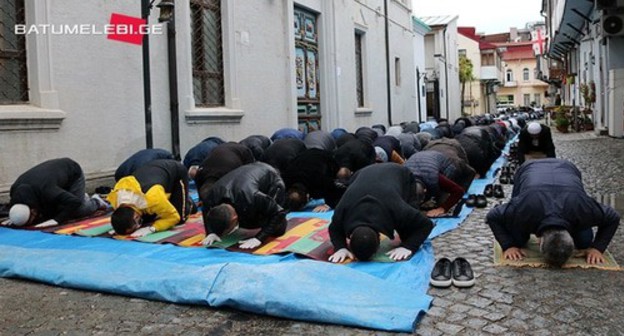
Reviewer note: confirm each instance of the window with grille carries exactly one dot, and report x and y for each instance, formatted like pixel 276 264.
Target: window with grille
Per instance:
pixel 13 70
pixel 525 74
pixel 207 53
pixel 359 75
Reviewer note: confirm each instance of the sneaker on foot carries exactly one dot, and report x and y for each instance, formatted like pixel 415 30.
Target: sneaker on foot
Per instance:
pixel 441 273
pixel 462 273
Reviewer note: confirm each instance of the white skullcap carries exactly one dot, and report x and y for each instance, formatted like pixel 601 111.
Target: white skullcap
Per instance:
pixel 514 122
pixel 19 214
pixel 381 154
pixel 534 128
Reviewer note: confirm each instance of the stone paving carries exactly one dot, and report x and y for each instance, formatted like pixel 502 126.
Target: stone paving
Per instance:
pixel 504 300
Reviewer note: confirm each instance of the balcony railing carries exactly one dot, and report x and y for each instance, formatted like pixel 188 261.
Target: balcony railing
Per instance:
pixel 490 72
pixel 511 84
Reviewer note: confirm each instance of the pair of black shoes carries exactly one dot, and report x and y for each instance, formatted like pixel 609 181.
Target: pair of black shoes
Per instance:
pixel 457 273
pixel 506 178
pixel 478 201
pixel 494 190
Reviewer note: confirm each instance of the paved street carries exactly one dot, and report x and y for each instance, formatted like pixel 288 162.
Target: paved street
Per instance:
pixel 506 301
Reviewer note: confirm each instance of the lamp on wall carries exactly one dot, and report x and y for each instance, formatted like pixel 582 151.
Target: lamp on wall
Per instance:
pixel 166 10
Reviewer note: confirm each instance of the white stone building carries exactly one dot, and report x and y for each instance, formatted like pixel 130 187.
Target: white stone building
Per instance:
pixel 420 30
pixel 442 65
pixel 585 47
pixel 241 69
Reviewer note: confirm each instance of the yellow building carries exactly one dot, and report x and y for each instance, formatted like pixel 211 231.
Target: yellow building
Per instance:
pixel 521 87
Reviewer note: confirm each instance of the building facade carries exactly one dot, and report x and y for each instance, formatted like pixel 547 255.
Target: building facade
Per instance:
pixel 584 50
pixel 442 66
pixel 521 85
pixel 241 68
pixel 420 30
pixel 480 94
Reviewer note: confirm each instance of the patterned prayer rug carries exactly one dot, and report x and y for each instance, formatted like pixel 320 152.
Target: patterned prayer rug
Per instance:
pixel 306 236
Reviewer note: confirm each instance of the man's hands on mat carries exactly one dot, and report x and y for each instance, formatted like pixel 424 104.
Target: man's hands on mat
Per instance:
pixel 514 253
pixel 341 255
pixel 594 256
pixel 399 253
pixel 142 232
pixel 250 243
pixel 48 223
pixel 321 208
pixel 437 212
pixel 210 239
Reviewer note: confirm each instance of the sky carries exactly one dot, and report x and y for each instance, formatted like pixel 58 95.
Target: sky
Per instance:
pixel 488 16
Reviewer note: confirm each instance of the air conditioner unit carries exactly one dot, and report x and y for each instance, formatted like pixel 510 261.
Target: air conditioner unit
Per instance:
pixel 609 4
pixel 612 24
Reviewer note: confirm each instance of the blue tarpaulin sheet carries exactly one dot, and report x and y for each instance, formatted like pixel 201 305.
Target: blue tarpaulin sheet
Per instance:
pixel 384 296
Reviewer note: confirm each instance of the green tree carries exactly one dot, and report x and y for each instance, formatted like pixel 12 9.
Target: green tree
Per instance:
pixel 465 76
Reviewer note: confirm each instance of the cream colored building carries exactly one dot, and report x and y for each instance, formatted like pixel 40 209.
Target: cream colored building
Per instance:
pixel 521 86
pixel 480 94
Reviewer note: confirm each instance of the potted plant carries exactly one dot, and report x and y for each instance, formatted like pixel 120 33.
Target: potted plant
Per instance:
pixel 561 121
pixel 588 123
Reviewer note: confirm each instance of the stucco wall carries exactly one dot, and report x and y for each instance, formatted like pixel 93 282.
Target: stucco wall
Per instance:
pixel 98 83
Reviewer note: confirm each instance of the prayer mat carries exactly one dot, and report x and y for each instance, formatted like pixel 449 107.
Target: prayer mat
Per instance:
pixel 534 258
pixel 304 236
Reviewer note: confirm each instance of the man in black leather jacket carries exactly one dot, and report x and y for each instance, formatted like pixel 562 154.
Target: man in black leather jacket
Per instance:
pixel 252 197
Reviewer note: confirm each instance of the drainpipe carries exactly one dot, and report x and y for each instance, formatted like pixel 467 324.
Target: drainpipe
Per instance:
pixel 418 93
pixel 389 87
pixel 173 87
pixel 446 69
pixel 147 92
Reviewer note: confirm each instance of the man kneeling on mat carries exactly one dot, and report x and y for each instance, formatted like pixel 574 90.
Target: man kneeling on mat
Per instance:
pixel 549 200
pixel 156 191
pixel 381 198
pixel 250 196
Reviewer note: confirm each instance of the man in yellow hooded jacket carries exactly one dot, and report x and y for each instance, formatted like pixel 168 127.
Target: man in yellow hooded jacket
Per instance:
pixel 156 193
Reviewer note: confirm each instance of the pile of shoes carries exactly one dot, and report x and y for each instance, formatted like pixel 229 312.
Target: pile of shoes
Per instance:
pixel 507 173
pixel 475 200
pixel 458 273
pixel 513 152
pixel 494 190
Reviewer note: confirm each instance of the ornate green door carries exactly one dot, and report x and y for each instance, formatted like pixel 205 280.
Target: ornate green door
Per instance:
pixel 307 71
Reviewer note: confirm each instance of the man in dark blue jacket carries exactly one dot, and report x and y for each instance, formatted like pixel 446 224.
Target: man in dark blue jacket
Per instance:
pixel 139 159
pixel 549 200
pixel 51 193
pixel 198 153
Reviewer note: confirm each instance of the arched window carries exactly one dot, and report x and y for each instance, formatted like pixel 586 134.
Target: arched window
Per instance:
pixel 509 75
pixel 525 74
